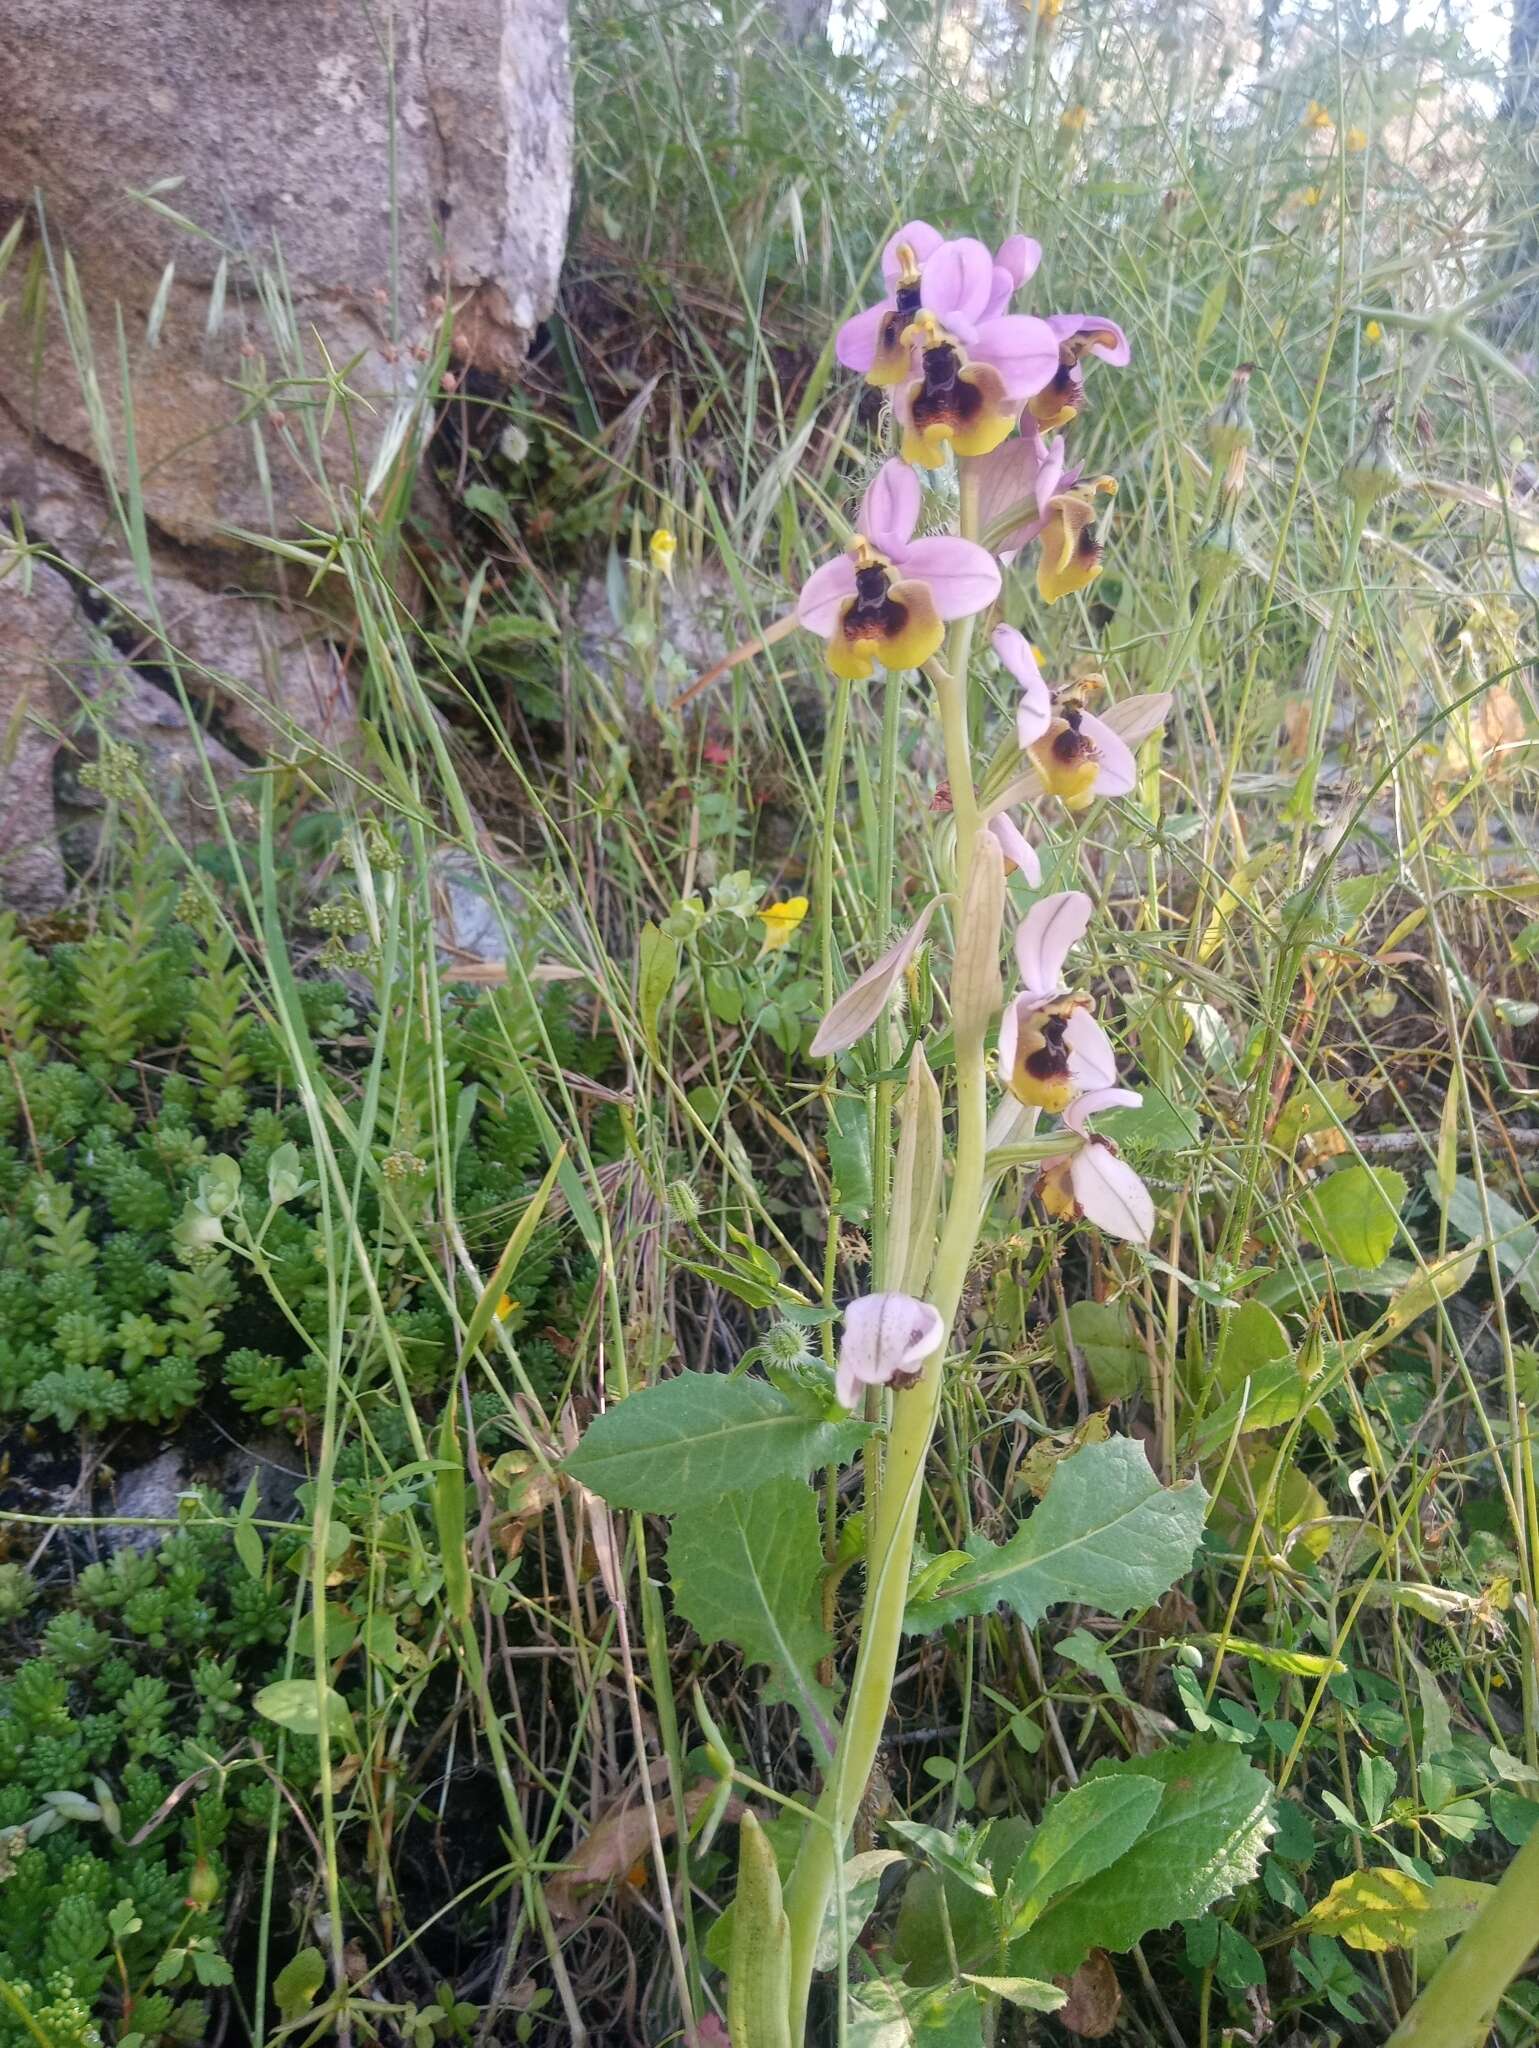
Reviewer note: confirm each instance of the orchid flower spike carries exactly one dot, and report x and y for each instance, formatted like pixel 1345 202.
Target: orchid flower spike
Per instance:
pixel 1078 335
pixel 975 365
pixel 1091 1180
pixel 1079 758
pixel 872 342
pixel 887 1338
pixel 1050 1046
pixel 888 596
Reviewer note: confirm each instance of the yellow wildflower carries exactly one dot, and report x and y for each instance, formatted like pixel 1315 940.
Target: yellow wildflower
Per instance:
pixel 1316 116
pixel 505 1307
pixel 1312 196
pixel 662 548
pixel 1356 140
pixel 1373 333
pixel 1073 119
pixel 780 920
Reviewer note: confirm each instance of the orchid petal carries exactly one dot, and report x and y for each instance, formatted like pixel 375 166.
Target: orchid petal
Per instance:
pixel 1111 1194
pixel 1022 348
pixel 1050 477
pixel 863 1002
pixel 958 278
pixel 1019 255
pixel 884 1335
pixel 920 237
pixel 1035 714
pixel 1069 327
pixel 1092 1061
pixel 1137 719
pixel 1116 770
pixel 1094 1100
pixel 855 343
pixel 1010 1035
pixel 889 511
pixel 1046 936
pixel 1018 849
pixel 963 577
pixel 825 591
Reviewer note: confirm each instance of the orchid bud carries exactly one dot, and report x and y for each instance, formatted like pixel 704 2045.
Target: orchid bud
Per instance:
pixel 1374 471
pixel 1221 551
pixel 1229 427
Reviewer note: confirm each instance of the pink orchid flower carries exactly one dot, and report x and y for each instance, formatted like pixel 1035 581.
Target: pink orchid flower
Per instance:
pixel 977 365
pixel 887 597
pixel 1092 1181
pixel 872 342
pixel 1017 849
pixel 1050 1046
pixel 1078 335
pixel 1080 757
pixel 887 1338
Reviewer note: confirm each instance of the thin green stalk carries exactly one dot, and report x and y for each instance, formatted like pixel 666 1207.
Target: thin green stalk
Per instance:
pixel 886 837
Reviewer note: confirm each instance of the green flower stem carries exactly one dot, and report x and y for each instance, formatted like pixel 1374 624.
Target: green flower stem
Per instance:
pixel 894 1516
pixel 1456 2009
pixel 887 1041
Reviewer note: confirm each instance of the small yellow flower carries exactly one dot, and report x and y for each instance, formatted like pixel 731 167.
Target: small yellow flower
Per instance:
pixel 1047 10
pixel 662 548
pixel 506 1304
pixel 780 920
pixel 1316 116
pixel 1356 140
pixel 1073 119
pixel 1312 196
pixel 1373 333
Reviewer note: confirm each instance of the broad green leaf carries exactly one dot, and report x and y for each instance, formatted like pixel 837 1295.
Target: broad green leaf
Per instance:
pixel 1514 1239
pixel 1355 1212
pixel 1081 1832
pixel 692 1439
pixel 1251 1339
pixel 1272 1395
pixel 1292 1292
pixel 656 973
pixel 296 1984
pixel 896 2016
pixel 939 1916
pixel 1372 1909
pixel 1030 1993
pixel 1114 1359
pixel 863 1874
pixel 1205 1840
pixel 1107 1536
pixel 1451 1905
pixel 849 1156
pixel 295 1703
pixel 746 1570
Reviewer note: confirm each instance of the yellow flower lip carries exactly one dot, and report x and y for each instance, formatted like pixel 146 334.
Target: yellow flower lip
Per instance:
pixel 662 547
pixel 780 920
